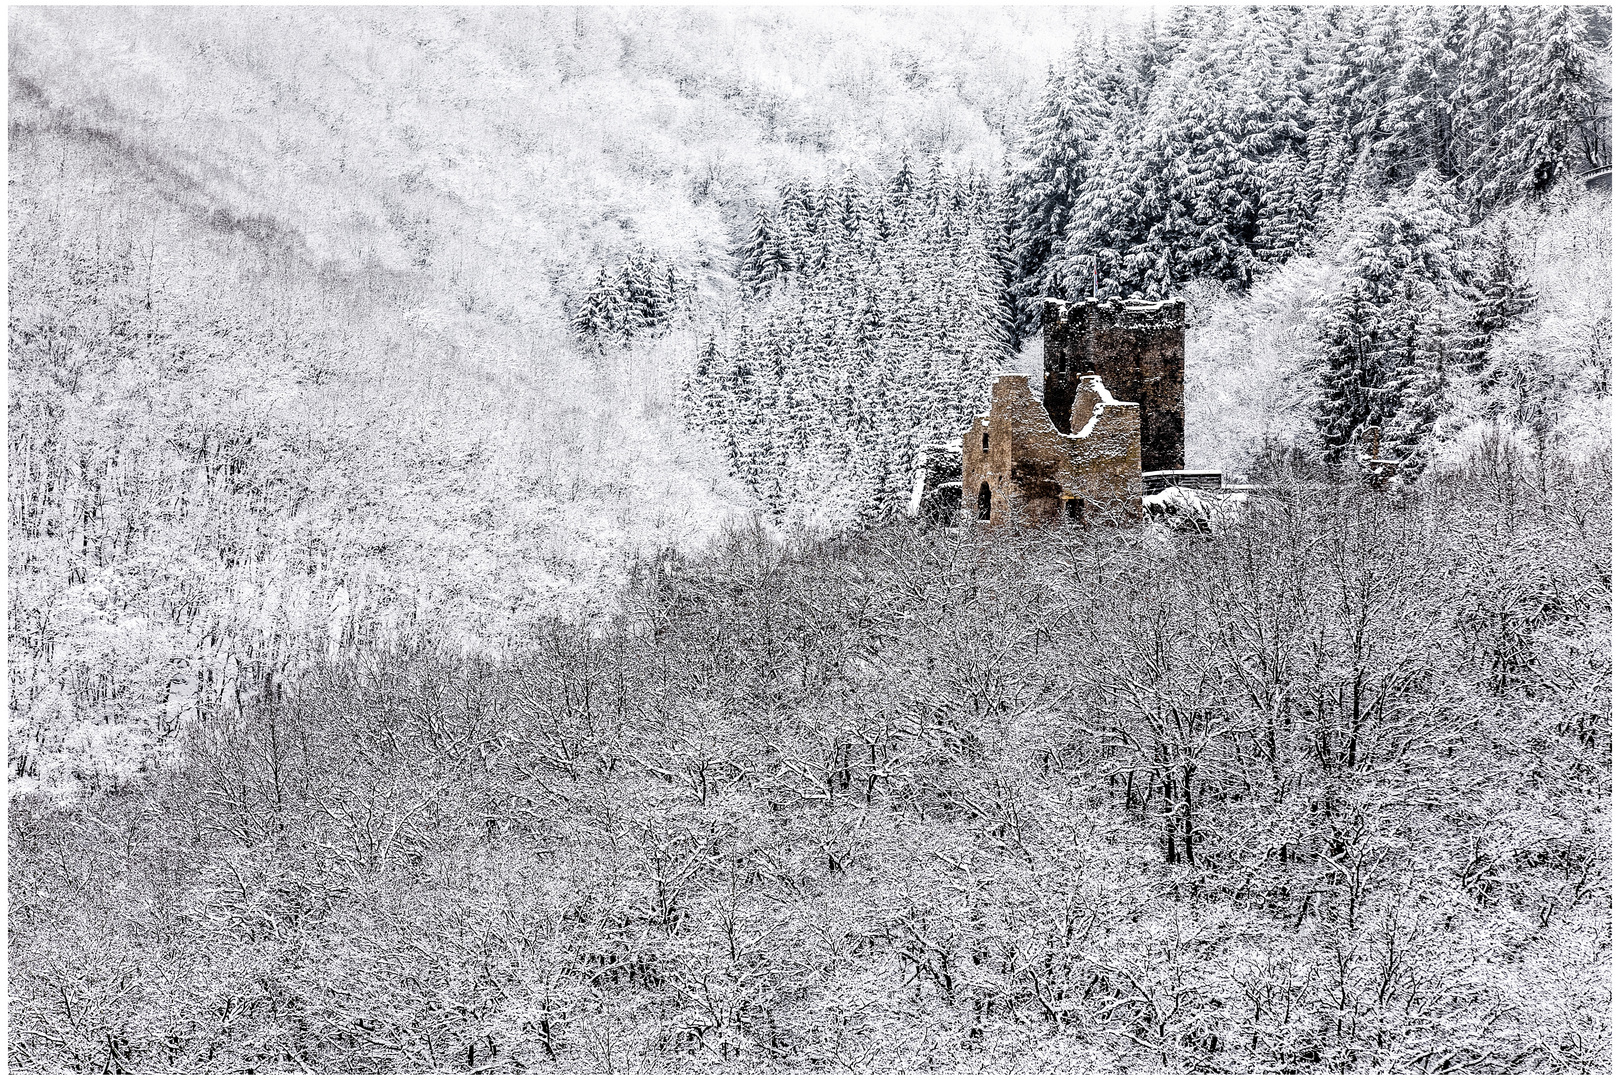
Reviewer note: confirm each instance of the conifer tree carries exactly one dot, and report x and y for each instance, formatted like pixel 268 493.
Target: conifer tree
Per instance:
pixel 1221 192
pixel 591 321
pixel 850 203
pixel 1058 152
pixel 1421 125
pixel 653 294
pixel 930 193
pixel 1366 78
pixel 1284 219
pixel 1383 332
pixel 1555 72
pixel 759 254
pixel 1347 389
pixel 1482 102
pixel 703 393
pixel 675 295
pixel 1411 364
pixel 1104 226
pixel 1327 164
pixel 904 181
pixel 1498 294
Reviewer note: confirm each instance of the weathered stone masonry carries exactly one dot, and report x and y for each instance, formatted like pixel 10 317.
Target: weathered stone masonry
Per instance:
pixel 1111 407
pixel 1138 351
pixel 1017 467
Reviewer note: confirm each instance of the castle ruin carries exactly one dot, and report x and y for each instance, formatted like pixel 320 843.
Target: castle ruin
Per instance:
pixel 1138 352
pixel 1107 430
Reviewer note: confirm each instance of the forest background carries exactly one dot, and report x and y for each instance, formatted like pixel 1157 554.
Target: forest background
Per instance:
pixel 365 357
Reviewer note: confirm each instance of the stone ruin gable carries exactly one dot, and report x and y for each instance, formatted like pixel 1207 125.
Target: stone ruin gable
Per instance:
pixel 1139 351
pixel 1038 474
pixel 1105 453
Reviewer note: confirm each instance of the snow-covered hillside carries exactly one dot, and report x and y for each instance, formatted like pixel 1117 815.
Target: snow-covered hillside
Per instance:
pixel 463 613
pixel 1252 358
pixel 294 293
pixel 291 371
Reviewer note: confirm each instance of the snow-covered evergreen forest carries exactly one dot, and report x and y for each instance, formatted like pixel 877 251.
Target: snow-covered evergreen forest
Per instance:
pixel 462 612
pixel 870 322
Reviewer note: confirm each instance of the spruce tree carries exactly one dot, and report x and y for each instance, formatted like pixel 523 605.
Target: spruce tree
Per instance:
pixel 904 181
pixel 1412 365
pixel 1327 164
pixel 850 205
pixel 1498 295
pixel 591 322
pixel 704 397
pixel 1221 192
pixel 1284 219
pixel 1481 103
pixel 1383 327
pixel 1346 393
pixel 1058 150
pixel 758 255
pixel 642 293
pixel 1421 124
pixel 1556 73
pixel 1366 77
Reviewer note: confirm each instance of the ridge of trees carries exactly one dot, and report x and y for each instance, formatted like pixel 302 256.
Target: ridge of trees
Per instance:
pixel 1233 139
pixel 1214 148
pixel 1228 139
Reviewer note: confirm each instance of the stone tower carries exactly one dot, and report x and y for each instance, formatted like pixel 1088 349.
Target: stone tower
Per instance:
pixel 1138 351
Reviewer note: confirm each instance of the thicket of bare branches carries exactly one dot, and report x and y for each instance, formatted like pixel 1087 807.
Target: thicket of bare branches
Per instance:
pixel 1326 791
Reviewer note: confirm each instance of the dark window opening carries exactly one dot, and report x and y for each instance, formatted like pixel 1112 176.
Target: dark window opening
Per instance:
pixel 987 442
pixel 1075 511
pixel 984 501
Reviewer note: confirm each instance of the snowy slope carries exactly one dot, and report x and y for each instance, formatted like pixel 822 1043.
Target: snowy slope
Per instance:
pixel 310 271
pixel 1252 357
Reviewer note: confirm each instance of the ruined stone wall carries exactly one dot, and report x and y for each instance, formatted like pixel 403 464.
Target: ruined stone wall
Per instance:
pixel 987 460
pixel 1138 349
pixel 1105 454
pixel 1040 454
pixel 1034 472
pixel 1067 357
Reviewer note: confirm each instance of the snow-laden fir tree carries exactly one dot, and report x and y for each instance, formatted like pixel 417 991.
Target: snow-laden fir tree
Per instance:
pixel 1555 73
pixel 1498 295
pixel 1058 152
pixel 1283 220
pixel 1383 340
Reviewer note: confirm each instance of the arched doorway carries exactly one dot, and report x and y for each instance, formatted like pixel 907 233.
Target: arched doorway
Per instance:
pixel 984 501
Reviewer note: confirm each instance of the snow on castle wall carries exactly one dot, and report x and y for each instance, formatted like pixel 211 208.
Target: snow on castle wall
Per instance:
pixel 1017 467
pixel 1111 407
pixel 1137 349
